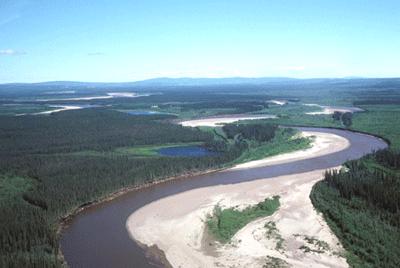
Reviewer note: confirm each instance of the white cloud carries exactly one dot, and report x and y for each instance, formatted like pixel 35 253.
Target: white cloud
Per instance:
pixel 11 52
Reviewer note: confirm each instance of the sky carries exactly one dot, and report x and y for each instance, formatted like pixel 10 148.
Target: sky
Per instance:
pixel 129 40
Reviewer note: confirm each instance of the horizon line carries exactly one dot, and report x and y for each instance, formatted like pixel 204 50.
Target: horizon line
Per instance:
pixel 210 78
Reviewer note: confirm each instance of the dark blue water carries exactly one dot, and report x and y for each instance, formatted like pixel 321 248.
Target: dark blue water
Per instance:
pixel 192 151
pixel 137 112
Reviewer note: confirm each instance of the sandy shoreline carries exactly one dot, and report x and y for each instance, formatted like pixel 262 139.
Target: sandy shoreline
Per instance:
pixel 176 223
pixel 332 109
pixel 220 120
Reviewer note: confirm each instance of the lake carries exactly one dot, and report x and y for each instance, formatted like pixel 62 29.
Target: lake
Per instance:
pixel 143 112
pixel 191 151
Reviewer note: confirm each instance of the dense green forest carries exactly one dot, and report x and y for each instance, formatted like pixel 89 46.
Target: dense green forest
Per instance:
pixel 89 129
pixel 50 165
pixel 362 206
pixel 43 179
pixel 258 132
pixel 361 203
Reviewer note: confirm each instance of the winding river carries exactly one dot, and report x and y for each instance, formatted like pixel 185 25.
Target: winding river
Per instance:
pixel 97 237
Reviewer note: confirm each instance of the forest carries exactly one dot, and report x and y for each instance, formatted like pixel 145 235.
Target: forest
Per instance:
pixel 50 165
pixel 258 132
pixel 361 204
pixel 43 179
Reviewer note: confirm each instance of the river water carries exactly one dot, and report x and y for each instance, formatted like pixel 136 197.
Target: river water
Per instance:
pixel 97 237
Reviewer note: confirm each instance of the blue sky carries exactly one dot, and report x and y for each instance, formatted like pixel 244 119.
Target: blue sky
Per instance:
pixel 131 40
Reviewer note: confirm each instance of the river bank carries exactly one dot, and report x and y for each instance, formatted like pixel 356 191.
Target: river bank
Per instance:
pixel 84 247
pixel 176 224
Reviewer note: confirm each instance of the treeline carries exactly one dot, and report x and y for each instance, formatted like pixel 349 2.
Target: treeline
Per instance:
pixel 388 158
pixel 345 118
pixel 378 102
pixel 362 206
pixel 236 106
pixel 258 132
pixel 388 95
pixel 37 149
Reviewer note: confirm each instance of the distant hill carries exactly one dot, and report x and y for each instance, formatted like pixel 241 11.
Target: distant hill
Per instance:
pixel 163 81
pixel 230 83
pixel 188 81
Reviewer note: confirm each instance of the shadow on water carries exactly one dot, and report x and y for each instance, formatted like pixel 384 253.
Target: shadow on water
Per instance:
pixel 97 237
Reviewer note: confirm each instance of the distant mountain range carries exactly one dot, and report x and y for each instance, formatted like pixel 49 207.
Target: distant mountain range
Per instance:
pixel 194 82
pixel 163 81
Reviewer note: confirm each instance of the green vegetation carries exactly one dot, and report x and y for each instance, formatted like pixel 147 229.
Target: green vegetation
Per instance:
pixel 285 140
pixel 257 132
pixel 273 262
pixel 345 118
pixel 16 109
pixel 224 223
pixel 195 104
pixel 361 205
pixel 383 120
pixel 306 120
pixel 95 129
pixel 135 151
pixel 258 140
pixel 50 165
pixel 273 233
pixel 313 244
pixel 12 187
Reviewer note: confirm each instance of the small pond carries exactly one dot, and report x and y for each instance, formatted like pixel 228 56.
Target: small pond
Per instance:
pixel 191 151
pixel 143 112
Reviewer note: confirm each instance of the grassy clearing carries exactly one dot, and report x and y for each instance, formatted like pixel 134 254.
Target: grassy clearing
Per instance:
pixel 285 141
pixel 151 150
pixel 224 223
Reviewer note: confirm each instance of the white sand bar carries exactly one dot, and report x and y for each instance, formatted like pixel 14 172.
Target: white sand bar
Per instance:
pixel 215 121
pixel 332 109
pixel 108 95
pixel 278 102
pixel 176 223
pixel 61 108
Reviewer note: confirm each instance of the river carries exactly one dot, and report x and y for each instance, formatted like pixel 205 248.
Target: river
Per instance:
pixel 97 237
